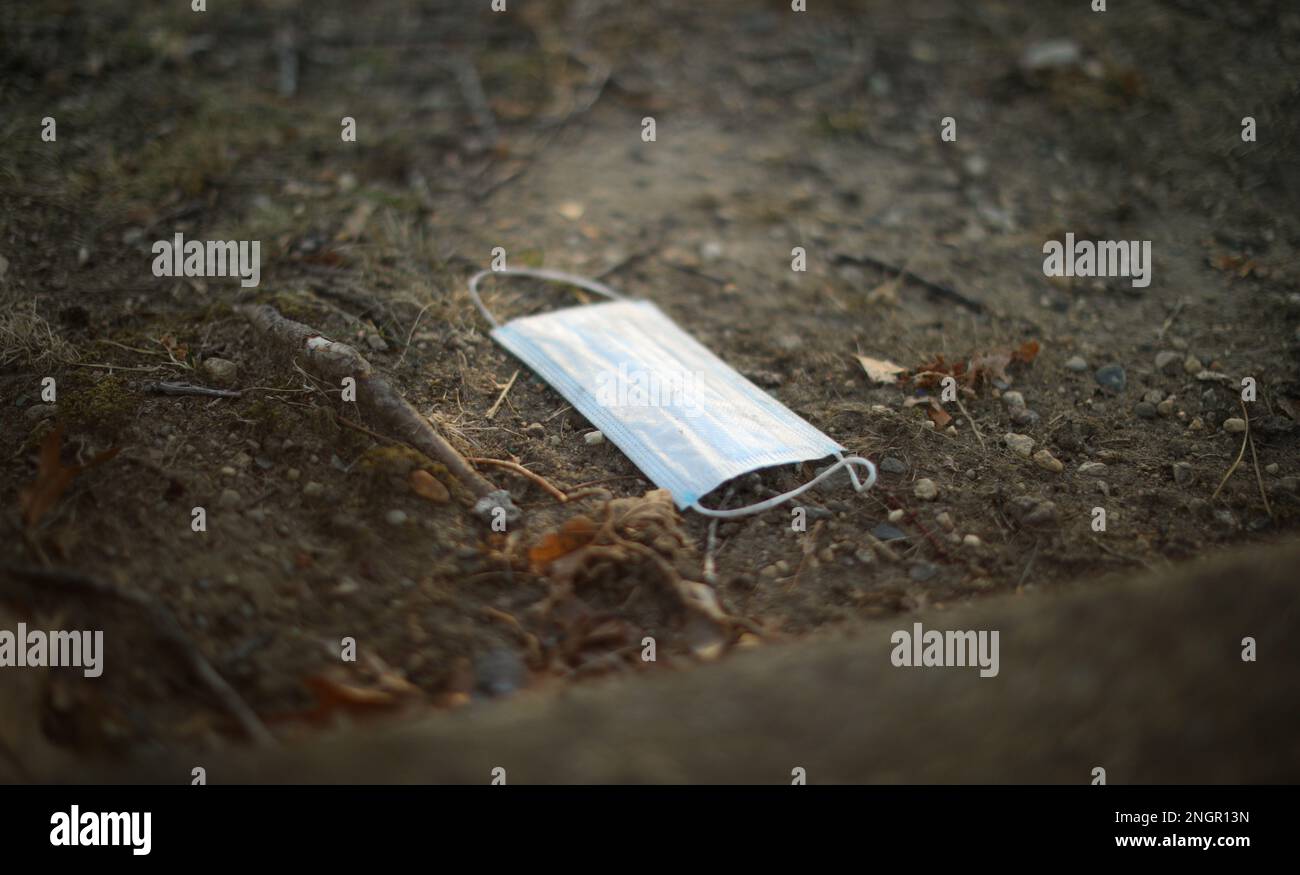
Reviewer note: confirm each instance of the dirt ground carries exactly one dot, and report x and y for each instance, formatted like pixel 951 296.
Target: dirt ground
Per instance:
pixel 523 130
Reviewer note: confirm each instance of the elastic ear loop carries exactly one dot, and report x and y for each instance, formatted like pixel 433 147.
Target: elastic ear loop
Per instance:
pixel 541 274
pixel 604 290
pixel 844 462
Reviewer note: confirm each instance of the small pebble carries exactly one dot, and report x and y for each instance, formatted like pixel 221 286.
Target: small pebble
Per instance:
pixel 972 541
pixel 229 498
pixel 922 572
pixel 945 519
pixel 1076 363
pixel 1145 410
pixel 535 430
pixel 890 465
pixel 1168 362
pixel 1153 396
pixel 1192 365
pixel 1272 468
pixel 228 471
pixel 41 412
pixel 293 473
pixel 593 438
pixel 1045 460
pixel 1184 474
pixel 1111 377
pixel 1093 469
pixel 1234 425
pixel 220 371
pixel 1023 416
pixel 1044 512
pixel 895 515
pixel 312 489
pixel 925 489
pixel 395 517
pixel 886 532
pixel 1013 399
pixel 1020 444
pixel 1166 407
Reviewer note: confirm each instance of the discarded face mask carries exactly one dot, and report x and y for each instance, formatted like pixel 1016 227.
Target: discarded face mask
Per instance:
pixel 682 415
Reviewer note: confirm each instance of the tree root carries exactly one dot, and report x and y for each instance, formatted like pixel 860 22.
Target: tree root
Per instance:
pixel 334 361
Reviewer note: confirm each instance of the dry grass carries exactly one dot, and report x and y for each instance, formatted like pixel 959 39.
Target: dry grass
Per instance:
pixel 27 339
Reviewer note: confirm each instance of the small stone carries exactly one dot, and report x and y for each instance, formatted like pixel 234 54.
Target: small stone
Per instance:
pixel 864 556
pixel 41 412
pixel 1192 365
pixel 1196 424
pixel 1271 468
pixel 313 489
pixel 1076 363
pixel 1045 460
pixel 895 515
pixel 1145 410
pixel 945 519
pixel 395 517
pixel 1020 444
pixel 1093 469
pixel 1168 362
pixel 922 571
pixel 1111 377
pixel 1023 416
pixel 220 371
pixel 347 586
pixel 427 486
pixel 293 473
pixel 593 438
pixel 228 471
pixel 376 343
pixel 972 541
pixel 1013 399
pixel 536 430
pixel 886 532
pixel 1166 407
pixel 925 489
pixel 1234 425
pixel 890 465
pixel 1153 396
pixel 229 498
pixel 768 572
pixel 499 672
pixel 1044 512
pixel 1184 474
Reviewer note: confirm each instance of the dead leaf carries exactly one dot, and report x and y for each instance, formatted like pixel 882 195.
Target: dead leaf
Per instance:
pixel 576 533
pixel 934 409
pixel 53 477
pixel 881 370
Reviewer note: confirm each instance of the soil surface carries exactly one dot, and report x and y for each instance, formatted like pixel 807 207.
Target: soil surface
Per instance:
pixel 525 130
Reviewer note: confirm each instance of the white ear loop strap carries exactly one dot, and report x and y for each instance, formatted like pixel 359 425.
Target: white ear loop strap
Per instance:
pixel 552 275
pixel 844 462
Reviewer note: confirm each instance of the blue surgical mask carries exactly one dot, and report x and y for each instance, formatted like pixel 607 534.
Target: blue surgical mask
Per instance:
pixel 682 415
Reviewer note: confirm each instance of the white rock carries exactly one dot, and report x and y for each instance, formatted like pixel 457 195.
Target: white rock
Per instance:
pixel 593 438
pixel 1020 444
pixel 925 489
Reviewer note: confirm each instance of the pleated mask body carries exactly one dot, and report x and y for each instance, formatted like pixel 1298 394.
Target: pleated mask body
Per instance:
pixel 684 417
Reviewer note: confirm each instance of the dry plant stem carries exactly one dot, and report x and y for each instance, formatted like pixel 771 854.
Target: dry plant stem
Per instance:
pixel 168 629
pixel 521 470
pixel 1241 454
pixel 971 420
pixel 502 397
pixel 332 361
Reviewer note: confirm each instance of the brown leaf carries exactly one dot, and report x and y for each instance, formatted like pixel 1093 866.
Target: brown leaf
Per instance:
pixel 53 477
pixel 576 533
pixel 880 370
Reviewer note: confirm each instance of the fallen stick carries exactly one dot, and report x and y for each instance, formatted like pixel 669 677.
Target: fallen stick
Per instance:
pixel 191 389
pixel 334 361
pixel 168 629
pixel 947 293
